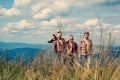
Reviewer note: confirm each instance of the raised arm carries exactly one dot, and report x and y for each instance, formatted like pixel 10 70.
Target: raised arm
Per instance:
pixel 51 40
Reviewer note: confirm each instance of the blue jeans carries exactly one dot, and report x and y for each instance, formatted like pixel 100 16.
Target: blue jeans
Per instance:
pixel 85 60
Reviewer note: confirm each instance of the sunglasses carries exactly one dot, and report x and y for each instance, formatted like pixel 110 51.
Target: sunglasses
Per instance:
pixel 71 39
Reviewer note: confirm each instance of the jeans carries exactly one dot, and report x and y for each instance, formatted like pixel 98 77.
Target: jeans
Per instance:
pixel 85 60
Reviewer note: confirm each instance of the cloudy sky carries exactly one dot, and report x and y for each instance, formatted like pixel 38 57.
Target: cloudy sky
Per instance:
pixel 34 21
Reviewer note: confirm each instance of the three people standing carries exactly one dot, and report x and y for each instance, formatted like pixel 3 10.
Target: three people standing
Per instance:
pixel 70 48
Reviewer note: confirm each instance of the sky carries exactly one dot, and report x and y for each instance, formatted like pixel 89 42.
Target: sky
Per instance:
pixel 34 21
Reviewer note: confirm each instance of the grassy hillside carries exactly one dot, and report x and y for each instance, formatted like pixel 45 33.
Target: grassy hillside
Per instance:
pixel 45 68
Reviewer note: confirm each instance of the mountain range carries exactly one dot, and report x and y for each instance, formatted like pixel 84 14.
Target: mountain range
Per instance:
pixel 14 45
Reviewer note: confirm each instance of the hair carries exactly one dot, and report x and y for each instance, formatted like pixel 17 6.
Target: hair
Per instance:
pixel 71 35
pixel 86 33
pixel 59 32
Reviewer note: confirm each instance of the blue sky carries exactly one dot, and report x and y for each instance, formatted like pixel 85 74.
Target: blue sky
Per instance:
pixel 34 21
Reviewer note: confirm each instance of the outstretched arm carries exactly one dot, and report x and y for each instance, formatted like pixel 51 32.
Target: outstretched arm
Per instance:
pixel 51 40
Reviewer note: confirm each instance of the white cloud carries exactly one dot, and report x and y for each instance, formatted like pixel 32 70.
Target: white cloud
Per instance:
pixel 53 8
pixel 85 3
pixel 91 25
pixel 117 26
pixel 43 14
pixel 55 22
pixel 62 5
pixel 81 3
pixel 106 25
pixel 116 31
pixel 96 23
pixel 51 23
pixel 18 26
pixel 10 12
pixel 38 6
pixel 45 9
pixel 21 2
pixel 59 6
pixel 103 26
pixel 78 25
pixel 72 24
pixel 91 22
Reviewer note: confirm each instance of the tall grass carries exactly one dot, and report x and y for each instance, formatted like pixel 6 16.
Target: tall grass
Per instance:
pixel 104 68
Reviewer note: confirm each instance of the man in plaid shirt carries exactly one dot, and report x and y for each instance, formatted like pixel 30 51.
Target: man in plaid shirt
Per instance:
pixel 85 49
pixel 71 50
pixel 58 45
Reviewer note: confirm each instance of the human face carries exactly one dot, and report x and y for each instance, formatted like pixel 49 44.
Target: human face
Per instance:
pixel 59 35
pixel 86 36
pixel 71 38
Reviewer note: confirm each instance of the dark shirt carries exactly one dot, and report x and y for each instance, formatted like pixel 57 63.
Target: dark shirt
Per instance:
pixel 74 47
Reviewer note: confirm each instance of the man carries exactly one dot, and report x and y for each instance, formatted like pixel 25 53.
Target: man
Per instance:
pixel 71 49
pixel 58 45
pixel 85 49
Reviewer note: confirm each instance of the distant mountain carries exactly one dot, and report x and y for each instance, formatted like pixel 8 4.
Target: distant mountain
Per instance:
pixel 19 53
pixel 13 45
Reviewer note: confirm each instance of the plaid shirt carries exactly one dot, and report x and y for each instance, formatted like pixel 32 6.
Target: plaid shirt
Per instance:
pixel 85 49
pixel 58 47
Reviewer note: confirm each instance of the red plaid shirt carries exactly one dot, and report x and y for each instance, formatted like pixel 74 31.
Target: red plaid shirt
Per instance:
pixel 85 49
pixel 57 44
